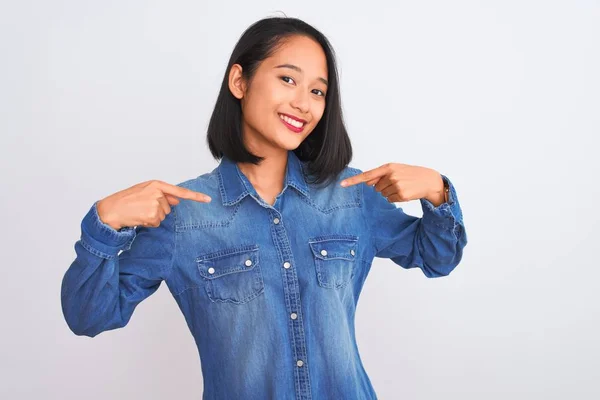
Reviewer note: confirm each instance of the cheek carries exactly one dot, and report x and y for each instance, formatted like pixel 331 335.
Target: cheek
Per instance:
pixel 264 102
pixel 254 108
pixel 318 111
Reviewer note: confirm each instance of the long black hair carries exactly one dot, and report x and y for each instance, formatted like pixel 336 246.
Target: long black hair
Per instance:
pixel 327 150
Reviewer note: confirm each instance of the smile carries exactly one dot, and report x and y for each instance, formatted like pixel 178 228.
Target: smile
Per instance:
pixel 291 123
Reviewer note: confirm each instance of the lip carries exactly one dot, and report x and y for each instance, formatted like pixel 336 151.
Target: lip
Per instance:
pixel 292 127
pixel 294 117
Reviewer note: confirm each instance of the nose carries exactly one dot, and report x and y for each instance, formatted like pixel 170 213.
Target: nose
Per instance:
pixel 300 100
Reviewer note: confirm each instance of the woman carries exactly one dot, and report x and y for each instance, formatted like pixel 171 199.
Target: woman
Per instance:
pixel 266 255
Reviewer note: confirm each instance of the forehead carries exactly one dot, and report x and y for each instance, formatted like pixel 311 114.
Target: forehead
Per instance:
pixel 301 51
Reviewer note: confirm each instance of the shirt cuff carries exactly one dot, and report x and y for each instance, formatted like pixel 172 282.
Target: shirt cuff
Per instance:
pixel 102 239
pixel 446 215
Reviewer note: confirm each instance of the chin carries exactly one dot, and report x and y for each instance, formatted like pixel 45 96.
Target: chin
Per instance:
pixel 289 145
pixel 289 142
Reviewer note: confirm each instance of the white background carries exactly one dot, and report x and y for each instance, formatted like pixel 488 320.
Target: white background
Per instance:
pixel 500 96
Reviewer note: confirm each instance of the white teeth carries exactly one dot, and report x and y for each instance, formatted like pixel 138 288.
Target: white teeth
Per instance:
pixel 292 122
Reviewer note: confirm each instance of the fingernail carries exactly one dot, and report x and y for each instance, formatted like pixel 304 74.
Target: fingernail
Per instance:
pixel 343 183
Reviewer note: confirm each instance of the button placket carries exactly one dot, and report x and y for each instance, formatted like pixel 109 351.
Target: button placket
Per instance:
pixel 293 307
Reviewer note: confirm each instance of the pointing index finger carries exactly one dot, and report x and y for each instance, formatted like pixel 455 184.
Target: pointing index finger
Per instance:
pixel 183 193
pixel 364 177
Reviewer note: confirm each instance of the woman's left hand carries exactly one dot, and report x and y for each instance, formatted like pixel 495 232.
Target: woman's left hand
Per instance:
pixel 402 182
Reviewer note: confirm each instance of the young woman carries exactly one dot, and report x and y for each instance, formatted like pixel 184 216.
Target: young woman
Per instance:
pixel 266 255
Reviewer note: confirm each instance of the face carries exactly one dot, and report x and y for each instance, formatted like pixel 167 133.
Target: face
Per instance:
pixel 285 99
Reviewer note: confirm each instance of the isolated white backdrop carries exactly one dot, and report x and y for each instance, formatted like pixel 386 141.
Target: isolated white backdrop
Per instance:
pixel 501 96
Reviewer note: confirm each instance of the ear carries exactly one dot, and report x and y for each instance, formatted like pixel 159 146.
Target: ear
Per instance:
pixel 237 84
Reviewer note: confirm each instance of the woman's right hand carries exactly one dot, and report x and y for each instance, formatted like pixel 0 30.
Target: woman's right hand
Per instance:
pixel 145 204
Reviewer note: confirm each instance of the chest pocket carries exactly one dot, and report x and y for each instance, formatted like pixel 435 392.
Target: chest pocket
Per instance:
pixel 334 257
pixel 232 275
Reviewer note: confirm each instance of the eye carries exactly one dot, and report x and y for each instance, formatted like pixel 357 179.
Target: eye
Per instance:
pixel 320 92
pixel 286 77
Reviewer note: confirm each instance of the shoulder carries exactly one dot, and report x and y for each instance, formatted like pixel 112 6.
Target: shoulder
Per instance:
pixel 333 196
pixel 206 181
pixel 351 171
pixel 189 210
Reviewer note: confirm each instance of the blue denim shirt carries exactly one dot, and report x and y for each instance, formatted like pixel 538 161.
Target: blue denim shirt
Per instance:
pixel 269 292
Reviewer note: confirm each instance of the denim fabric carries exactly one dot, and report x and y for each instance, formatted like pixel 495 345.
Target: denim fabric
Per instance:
pixel 269 293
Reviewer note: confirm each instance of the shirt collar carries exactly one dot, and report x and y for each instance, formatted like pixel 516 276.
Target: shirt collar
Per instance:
pixel 234 185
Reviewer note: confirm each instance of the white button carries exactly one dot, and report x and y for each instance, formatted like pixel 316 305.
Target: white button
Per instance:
pixel 248 263
pixel 211 270
pixel 299 363
pixel 286 265
pixel 294 315
pixel 323 252
pixel 276 221
pixel 352 251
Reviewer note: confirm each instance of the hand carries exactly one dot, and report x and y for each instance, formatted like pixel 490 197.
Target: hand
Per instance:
pixel 402 182
pixel 146 204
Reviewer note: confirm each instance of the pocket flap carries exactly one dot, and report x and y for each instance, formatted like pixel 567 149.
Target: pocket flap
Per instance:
pixel 334 247
pixel 228 261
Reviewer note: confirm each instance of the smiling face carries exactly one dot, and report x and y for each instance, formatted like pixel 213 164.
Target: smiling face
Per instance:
pixel 285 99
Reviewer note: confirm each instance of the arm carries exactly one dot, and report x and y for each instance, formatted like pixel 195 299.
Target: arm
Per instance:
pixel 102 287
pixel 433 243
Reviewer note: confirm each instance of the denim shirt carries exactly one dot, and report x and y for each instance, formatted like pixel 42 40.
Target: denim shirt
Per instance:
pixel 269 292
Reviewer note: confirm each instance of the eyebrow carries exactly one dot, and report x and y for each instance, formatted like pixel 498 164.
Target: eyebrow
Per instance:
pixel 296 68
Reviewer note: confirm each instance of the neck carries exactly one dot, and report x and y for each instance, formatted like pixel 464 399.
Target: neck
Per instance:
pixel 269 175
